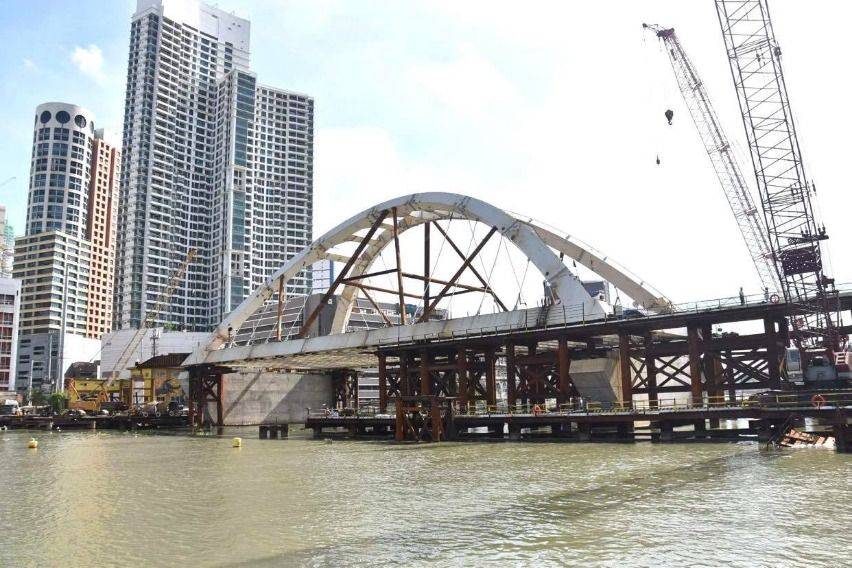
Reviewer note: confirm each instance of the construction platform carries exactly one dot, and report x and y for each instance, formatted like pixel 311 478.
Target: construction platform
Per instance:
pixel 669 423
pixel 93 422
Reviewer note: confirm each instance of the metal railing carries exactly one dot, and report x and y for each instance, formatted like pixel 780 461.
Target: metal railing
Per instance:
pixel 576 314
pixel 766 401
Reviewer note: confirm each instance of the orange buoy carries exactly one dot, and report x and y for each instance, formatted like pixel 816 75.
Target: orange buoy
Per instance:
pixel 818 400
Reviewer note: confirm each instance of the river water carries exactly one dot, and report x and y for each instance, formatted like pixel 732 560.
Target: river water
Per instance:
pixel 113 499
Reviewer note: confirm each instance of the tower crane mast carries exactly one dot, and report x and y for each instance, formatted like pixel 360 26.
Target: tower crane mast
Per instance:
pixel 795 235
pixel 719 150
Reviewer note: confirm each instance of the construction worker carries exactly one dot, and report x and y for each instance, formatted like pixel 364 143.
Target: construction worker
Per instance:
pixel 742 297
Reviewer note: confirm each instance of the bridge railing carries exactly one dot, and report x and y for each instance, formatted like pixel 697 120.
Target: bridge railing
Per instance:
pixel 745 300
pixel 767 401
pixel 762 401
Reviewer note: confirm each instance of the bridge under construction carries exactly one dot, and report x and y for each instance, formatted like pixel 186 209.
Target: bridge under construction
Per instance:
pixel 571 350
pixel 575 347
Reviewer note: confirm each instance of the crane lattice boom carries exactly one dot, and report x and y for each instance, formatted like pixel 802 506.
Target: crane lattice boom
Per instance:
pixel 721 156
pixel 151 317
pixel 785 192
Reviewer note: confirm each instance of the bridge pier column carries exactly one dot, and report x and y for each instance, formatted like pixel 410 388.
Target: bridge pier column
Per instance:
pixel 490 376
pixel 463 378
pixel 842 433
pixel 425 374
pixel 206 385
pixel 564 364
pixel 730 376
pixel 511 392
pixel 624 431
pixel 772 353
pixel 695 349
pixel 625 369
pixel 346 389
pixel 514 432
pixel 666 432
pixel 651 370
pixel 383 383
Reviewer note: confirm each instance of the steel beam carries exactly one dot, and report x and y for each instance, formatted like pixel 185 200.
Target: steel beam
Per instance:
pixel 564 363
pixel 400 290
pixel 490 376
pixel 626 370
pixel 695 349
pixel 463 377
pixel 337 281
pixel 462 268
pixel 473 270
pixel 772 353
pixel 425 375
pixel 651 369
pixel 511 392
pixel 427 268
pixel 383 383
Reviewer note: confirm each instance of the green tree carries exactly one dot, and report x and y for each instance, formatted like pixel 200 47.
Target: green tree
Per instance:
pixel 39 398
pixel 58 402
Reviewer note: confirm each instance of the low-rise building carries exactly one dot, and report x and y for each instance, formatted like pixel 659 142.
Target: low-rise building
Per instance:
pixel 45 358
pixel 10 307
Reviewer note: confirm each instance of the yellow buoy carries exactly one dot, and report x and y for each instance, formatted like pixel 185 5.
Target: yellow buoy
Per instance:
pixel 237 442
pixel 32 444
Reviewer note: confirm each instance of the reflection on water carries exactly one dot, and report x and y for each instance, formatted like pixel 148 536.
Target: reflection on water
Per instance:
pixel 121 499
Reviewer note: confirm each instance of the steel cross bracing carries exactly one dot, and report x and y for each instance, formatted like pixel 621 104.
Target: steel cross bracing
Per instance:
pixel 755 60
pixel 721 156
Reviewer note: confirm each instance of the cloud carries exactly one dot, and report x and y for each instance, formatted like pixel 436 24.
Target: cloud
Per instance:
pixel 470 85
pixel 90 61
pixel 29 64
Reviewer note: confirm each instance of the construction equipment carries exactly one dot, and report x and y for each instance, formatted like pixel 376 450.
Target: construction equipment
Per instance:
pixel 794 232
pixel 722 157
pixel 133 344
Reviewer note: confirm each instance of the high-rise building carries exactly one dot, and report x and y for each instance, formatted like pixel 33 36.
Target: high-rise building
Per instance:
pixel 101 228
pixel 65 260
pixel 263 201
pixel 212 162
pixel 10 304
pixel 7 245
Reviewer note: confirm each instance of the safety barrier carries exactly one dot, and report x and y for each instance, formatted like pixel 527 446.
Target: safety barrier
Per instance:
pixel 825 400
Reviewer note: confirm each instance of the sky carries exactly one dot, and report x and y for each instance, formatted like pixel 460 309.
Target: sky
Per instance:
pixel 550 109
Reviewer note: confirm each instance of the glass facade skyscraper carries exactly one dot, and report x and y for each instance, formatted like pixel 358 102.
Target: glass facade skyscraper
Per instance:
pixel 213 162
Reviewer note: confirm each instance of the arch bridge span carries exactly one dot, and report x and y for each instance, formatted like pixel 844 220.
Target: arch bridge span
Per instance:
pixel 379 227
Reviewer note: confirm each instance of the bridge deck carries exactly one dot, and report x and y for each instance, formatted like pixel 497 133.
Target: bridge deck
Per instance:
pixel 357 349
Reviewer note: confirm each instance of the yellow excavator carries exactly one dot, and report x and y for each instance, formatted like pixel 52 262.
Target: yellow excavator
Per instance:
pixel 82 395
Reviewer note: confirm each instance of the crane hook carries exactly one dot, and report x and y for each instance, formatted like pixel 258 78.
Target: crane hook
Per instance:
pixel 669 115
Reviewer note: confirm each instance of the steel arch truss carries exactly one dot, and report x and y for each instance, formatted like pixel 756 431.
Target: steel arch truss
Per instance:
pixel 379 227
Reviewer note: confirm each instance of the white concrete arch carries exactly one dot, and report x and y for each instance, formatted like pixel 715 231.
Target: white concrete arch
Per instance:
pixel 535 243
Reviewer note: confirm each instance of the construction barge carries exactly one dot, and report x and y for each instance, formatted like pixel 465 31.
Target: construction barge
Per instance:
pixel 73 422
pixel 427 419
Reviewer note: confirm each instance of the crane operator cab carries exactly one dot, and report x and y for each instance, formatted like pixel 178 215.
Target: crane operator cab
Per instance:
pixel 813 369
